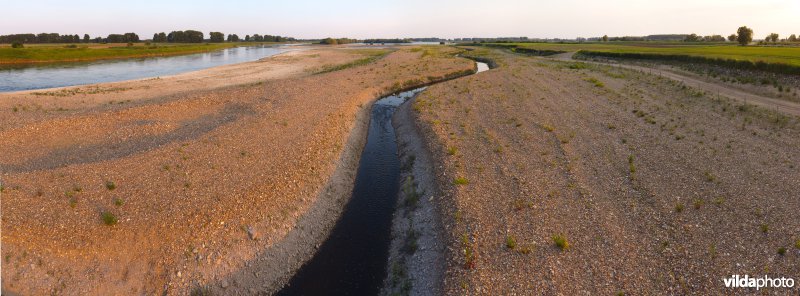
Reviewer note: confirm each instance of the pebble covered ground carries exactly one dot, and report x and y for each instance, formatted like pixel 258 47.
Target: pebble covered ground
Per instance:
pixel 165 192
pixel 564 178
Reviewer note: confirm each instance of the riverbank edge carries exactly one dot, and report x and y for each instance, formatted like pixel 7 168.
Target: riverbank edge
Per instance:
pixel 420 227
pixel 277 264
pixel 416 224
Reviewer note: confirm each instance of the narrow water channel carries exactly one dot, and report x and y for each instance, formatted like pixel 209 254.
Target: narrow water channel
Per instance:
pixel 352 261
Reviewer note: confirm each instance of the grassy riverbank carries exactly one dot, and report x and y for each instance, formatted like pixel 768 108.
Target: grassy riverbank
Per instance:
pixel 51 53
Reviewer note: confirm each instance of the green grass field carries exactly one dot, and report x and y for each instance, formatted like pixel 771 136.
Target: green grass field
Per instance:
pixel 785 55
pixel 51 53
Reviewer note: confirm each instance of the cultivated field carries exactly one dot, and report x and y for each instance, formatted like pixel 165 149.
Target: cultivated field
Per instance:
pixel 221 180
pixel 561 178
pixel 786 55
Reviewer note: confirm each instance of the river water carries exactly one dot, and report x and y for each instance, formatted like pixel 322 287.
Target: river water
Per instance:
pixel 29 77
pixel 352 261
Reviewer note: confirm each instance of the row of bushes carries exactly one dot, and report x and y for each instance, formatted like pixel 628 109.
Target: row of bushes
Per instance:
pixel 522 50
pixel 780 68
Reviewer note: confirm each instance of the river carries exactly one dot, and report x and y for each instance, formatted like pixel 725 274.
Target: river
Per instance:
pixel 14 78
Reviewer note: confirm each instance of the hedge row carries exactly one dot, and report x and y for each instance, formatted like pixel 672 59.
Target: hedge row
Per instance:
pixel 522 50
pixel 730 63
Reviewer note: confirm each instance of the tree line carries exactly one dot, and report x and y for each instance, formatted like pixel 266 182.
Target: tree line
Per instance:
pixel 53 38
pixel 743 36
pixel 187 36
pixel 334 41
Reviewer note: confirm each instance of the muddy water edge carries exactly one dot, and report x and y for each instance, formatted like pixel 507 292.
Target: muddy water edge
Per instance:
pixel 353 260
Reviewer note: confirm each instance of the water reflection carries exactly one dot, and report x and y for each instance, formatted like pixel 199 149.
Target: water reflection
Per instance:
pixel 26 77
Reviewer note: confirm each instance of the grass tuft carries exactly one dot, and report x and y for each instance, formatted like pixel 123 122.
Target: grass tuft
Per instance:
pixel 631 165
pixel 461 181
pixel 561 242
pixel 511 242
pixel 452 151
pixel 110 185
pixel 108 218
pixel 698 203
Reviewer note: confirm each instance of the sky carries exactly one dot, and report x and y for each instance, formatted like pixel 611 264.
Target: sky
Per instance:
pixel 308 19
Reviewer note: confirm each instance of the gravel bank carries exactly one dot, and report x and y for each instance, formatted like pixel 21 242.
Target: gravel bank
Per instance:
pixel 565 179
pixel 189 183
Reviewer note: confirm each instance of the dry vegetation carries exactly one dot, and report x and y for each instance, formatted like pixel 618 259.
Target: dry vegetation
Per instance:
pixel 152 188
pixel 562 178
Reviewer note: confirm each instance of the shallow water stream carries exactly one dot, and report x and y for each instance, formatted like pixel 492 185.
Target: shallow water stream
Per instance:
pixel 352 261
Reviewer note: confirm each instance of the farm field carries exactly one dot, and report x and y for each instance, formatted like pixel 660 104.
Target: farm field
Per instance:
pixel 561 178
pixel 786 55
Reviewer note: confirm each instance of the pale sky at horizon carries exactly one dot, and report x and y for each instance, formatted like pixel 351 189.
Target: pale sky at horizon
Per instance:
pixel 410 18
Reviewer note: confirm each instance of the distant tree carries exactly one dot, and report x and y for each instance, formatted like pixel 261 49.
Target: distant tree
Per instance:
pixel 233 38
pixel 188 36
pixel 744 35
pixel 692 38
pixel 732 37
pixel 17 45
pixel 334 41
pixel 131 37
pixel 247 38
pixel 86 38
pixel 714 38
pixel 160 37
pixel 115 38
pixel 605 38
pixel 792 38
pixel 194 36
pixel 772 37
pixel 216 37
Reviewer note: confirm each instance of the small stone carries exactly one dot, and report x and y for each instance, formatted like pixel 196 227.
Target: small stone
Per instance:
pixel 224 284
pixel 252 233
pixel 179 273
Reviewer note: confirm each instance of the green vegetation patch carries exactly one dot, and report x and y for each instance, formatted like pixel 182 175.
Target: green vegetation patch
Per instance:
pixel 372 55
